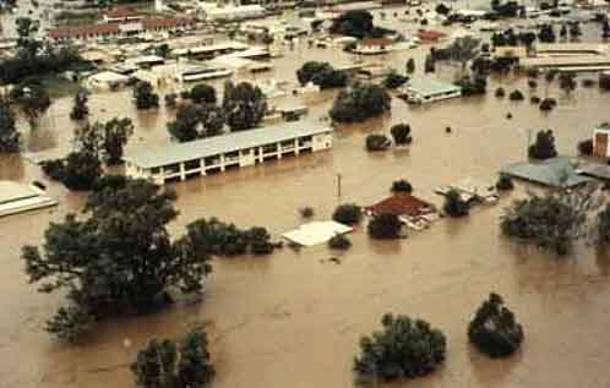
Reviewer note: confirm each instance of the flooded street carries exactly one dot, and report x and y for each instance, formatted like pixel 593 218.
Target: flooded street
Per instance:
pixel 293 319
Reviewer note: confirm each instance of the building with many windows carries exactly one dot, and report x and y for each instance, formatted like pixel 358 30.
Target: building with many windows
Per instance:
pixel 219 153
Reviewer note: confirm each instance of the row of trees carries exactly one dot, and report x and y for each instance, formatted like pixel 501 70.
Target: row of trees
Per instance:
pixel 94 144
pixel 243 107
pixel 175 364
pixel 34 58
pixel 409 348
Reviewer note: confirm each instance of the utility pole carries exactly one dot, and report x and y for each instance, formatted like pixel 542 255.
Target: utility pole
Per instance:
pixel 339 185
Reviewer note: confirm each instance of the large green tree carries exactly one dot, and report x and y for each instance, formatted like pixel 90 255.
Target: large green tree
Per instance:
pixel 403 348
pixel 494 329
pixel 196 121
pixel 117 257
pixel 359 102
pixel 144 96
pixel 321 74
pixel 244 105
pixel 552 222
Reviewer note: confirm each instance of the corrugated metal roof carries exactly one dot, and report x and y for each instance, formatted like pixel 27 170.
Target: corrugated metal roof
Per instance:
pixel 147 157
pixel 429 86
pixel 555 172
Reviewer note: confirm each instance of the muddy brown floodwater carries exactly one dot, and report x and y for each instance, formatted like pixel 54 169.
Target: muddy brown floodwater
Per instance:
pixel 293 319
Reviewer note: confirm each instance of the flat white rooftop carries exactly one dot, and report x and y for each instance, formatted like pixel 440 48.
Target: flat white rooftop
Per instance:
pixel 148 157
pixel 317 232
pixel 17 198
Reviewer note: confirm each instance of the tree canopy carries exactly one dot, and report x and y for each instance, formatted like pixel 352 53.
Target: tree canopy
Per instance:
pixel 118 257
pixel 384 226
pixel 348 213
pixel 401 133
pixel 174 364
pixel 359 102
pixel 244 105
pixel 544 146
pixel 214 237
pixel 80 110
pixel 403 348
pixel 356 23
pixel 321 74
pixel 552 222
pixel 144 97
pixel 196 122
pixel 10 138
pixel 494 330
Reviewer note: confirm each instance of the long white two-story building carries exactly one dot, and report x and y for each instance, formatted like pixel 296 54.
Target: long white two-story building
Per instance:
pixel 219 153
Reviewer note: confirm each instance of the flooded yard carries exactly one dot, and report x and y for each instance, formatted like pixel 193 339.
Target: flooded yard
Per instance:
pixel 294 319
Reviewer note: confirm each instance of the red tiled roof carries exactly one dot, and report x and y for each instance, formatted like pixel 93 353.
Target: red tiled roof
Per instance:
pixel 401 204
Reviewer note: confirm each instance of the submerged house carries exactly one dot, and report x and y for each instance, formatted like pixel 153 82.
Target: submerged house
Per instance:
pixel 412 211
pixel 219 153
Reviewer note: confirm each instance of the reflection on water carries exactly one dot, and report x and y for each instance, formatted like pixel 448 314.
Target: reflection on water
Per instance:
pixel 294 319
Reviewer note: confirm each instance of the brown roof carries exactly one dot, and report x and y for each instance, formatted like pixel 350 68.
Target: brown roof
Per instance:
pixel 401 204
pixel 430 34
pixel 84 30
pixel 376 42
pixel 122 12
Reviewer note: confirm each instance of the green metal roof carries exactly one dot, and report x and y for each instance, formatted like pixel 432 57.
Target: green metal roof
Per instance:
pixel 148 157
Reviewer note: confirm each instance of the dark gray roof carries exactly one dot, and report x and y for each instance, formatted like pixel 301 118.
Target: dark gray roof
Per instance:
pixel 147 157
pixel 555 172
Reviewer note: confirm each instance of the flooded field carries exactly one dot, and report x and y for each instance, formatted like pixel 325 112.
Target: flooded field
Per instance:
pixel 294 319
